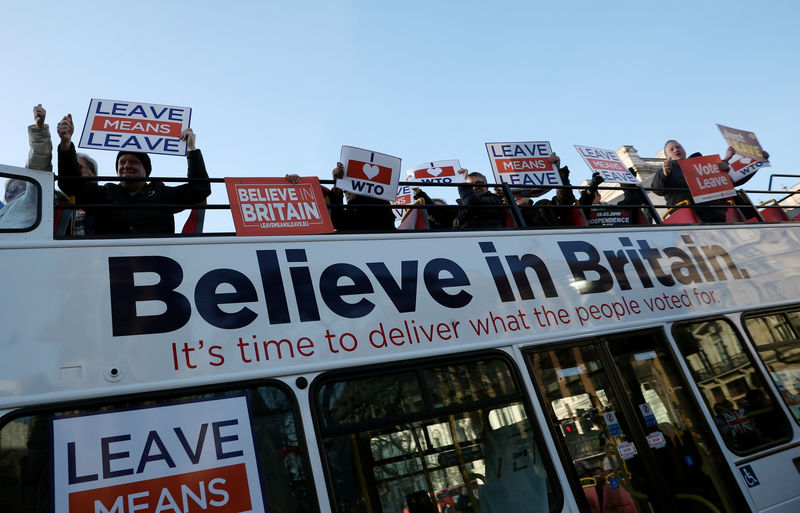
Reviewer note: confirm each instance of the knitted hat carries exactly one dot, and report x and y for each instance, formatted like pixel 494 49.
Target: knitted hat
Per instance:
pixel 144 158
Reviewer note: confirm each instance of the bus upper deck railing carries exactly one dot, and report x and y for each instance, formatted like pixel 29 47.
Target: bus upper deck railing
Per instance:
pixel 738 208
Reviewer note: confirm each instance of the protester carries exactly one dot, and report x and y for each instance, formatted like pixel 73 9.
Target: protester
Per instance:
pixel 671 177
pixel 474 202
pixel 361 212
pixel 440 215
pixel 540 213
pixel 624 212
pixel 21 201
pixel 122 220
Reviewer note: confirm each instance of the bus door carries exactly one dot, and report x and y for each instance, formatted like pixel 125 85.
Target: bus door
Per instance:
pixel 629 427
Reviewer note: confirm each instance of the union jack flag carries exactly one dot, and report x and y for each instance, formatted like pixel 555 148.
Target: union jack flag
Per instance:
pixel 739 421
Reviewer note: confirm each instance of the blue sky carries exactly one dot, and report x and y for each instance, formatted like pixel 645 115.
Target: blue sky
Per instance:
pixel 279 87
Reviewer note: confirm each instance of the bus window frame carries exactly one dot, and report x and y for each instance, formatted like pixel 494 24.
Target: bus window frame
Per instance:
pixel 772 347
pixel 39 202
pixel 178 395
pixel 417 365
pixel 755 363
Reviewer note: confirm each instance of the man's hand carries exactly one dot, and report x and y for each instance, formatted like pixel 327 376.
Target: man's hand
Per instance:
pixel 463 171
pixel 724 166
pixel 292 178
pixel 555 160
pixel 188 136
pixel 38 115
pixel 338 171
pixel 729 153
pixel 667 167
pixel 65 128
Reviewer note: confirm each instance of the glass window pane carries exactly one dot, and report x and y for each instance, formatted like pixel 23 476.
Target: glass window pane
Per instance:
pixel 481 455
pixel 459 384
pixel 745 413
pixel 782 361
pixel 19 208
pixel 370 398
pixel 770 329
pixel 286 480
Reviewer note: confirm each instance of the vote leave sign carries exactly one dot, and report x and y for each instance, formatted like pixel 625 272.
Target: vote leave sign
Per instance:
pixel 608 164
pixel 273 206
pixel 440 171
pixel 705 179
pixel 183 457
pixel 369 173
pixel 745 143
pixel 119 125
pixel 523 163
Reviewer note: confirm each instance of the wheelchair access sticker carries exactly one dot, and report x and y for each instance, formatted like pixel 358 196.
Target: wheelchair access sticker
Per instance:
pixel 749 476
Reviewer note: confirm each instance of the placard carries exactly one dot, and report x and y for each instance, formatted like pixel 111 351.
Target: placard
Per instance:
pixel 118 125
pixel 173 457
pixel 369 173
pixel 273 206
pixel 742 167
pixel 405 196
pixel 438 171
pixel 608 164
pixel 745 143
pixel 523 163
pixel 705 179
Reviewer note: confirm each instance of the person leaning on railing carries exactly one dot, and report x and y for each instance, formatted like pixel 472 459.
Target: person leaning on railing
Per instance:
pixel 121 220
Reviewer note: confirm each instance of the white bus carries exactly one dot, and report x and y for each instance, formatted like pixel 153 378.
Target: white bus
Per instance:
pixel 650 368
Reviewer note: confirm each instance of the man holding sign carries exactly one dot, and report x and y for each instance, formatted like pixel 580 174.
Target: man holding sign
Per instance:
pixel 672 177
pixel 135 165
pixel 361 212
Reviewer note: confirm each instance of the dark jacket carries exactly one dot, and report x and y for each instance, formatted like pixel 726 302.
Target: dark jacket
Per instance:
pixel 539 213
pixel 479 216
pixel 362 213
pixel 139 221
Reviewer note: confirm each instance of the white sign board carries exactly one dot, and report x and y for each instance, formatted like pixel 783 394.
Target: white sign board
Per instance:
pixel 608 164
pixel 196 455
pixel 742 167
pixel 439 171
pixel 523 163
pixel 131 126
pixel 369 173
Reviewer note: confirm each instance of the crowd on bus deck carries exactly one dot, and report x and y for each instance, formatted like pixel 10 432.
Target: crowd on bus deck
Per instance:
pixel 477 206
pixel 133 191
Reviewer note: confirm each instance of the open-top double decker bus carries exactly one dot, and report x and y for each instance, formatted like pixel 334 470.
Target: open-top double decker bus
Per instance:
pixel 654 368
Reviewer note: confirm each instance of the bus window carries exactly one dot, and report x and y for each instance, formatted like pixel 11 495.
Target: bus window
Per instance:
pixel 25 481
pixel 777 339
pixel 735 392
pixel 452 438
pixel 20 207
